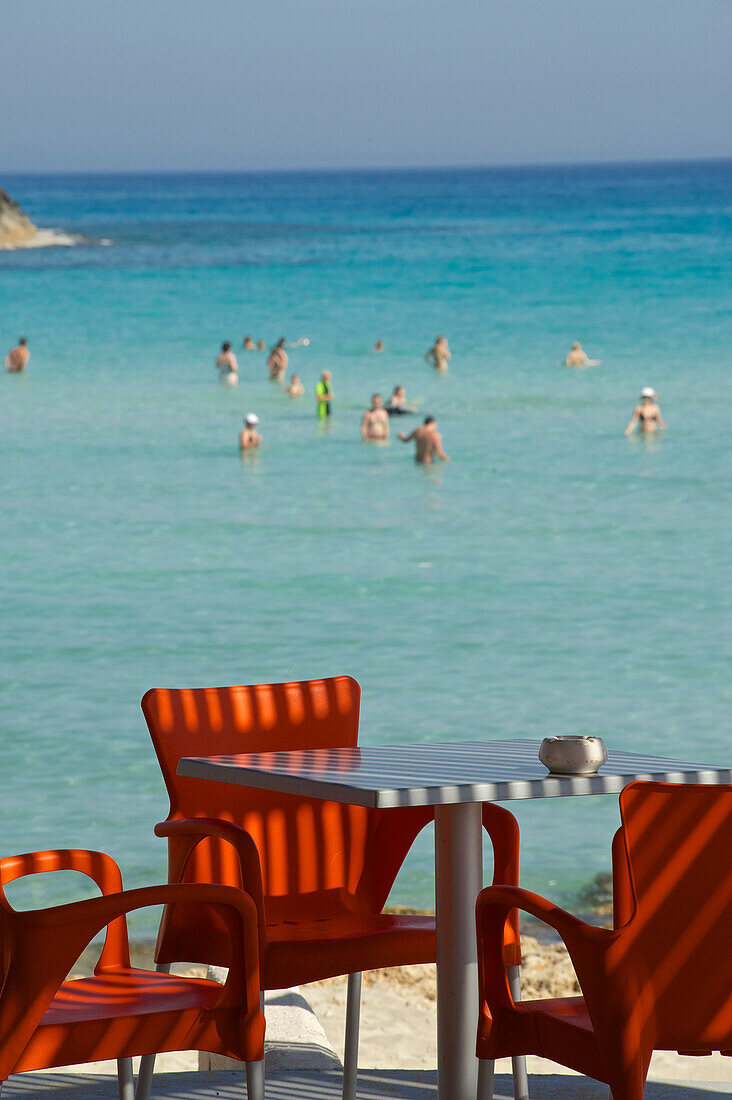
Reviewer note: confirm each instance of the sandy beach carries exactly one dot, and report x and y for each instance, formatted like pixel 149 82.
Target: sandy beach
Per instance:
pixel 398 1017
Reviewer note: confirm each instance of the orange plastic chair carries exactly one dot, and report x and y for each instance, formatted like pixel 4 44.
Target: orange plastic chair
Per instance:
pixel 319 872
pixel 640 980
pixel 47 1021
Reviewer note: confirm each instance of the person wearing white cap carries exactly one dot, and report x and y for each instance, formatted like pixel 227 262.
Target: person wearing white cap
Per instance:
pixel 249 437
pixel 647 415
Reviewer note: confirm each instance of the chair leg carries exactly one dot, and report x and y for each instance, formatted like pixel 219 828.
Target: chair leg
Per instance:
pixel 145 1076
pixel 353 1020
pixel 518 1063
pixel 125 1079
pixel 485 1079
pixel 255 1080
pixel 147 1062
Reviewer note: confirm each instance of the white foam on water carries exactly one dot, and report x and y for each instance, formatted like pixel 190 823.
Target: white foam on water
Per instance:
pixel 52 238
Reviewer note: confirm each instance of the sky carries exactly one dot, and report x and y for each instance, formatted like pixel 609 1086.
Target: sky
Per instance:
pixel 99 85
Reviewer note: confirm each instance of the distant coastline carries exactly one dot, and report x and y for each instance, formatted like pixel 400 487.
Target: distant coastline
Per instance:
pixel 387 170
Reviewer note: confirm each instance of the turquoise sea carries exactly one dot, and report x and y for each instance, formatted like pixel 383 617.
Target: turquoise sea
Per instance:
pixel 554 577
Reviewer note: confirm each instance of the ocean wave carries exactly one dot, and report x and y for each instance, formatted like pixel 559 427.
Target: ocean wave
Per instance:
pixel 52 238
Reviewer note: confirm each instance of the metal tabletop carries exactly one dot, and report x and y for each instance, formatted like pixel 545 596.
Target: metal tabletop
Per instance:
pixel 388 776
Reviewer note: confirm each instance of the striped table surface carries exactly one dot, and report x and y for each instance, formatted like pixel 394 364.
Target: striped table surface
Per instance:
pixel 386 776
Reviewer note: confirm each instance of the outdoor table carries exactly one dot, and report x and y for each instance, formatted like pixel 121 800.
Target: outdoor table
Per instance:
pixel 455 778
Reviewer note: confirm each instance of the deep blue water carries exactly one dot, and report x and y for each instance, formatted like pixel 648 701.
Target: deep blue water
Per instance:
pixel 554 577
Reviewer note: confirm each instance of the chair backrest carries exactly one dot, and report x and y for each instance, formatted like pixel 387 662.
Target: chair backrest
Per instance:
pixel 678 840
pixel 308 847
pixel 97 866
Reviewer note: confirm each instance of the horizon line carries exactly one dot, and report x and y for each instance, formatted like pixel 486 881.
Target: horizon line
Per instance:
pixel 345 170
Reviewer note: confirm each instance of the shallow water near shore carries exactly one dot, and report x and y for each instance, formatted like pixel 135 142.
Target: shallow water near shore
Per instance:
pixel 554 577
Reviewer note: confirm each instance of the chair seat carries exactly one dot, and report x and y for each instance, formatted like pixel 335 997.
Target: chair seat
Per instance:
pixel 127 993
pixel 307 951
pixel 544 1027
pixel 102 1017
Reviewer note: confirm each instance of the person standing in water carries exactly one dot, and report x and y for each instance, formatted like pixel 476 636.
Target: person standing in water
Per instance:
pixel 278 361
pixel 249 344
pixel 427 442
pixel 17 358
pixel 379 345
pixel 295 388
pixel 647 415
pixel 576 357
pixel 398 403
pixel 249 437
pixel 439 354
pixel 227 365
pixel 398 397
pixel 375 423
pixel 324 395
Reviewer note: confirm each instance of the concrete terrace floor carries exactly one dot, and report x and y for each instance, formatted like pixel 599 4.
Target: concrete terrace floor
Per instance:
pixel 302 1064
pixel 326 1085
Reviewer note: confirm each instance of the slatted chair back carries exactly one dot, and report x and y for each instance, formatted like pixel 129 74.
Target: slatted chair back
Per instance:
pixel 311 851
pixel 676 948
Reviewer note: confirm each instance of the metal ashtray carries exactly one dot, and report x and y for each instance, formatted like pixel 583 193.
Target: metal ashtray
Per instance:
pixel 573 755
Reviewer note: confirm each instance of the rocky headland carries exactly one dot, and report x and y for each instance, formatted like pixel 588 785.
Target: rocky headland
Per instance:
pixel 16 228
pixel 18 231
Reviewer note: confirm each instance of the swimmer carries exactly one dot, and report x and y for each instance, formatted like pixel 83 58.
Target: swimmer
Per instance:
pixel 249 344
pixel 278 361
pixel 261 346
pixel 398 403
pixel 295 388
pixel 249 438
pixel 324 395
pixel 439 354
pixel 227 365
pixel 375 423
pixel 17 359
pixel 647 415
pixel 427 442
pixel 379 345
pixel 576 357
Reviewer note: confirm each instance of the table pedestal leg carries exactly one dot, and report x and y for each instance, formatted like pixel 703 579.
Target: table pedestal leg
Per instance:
pixel 458 880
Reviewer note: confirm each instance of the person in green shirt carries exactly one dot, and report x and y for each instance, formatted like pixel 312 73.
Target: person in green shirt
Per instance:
pixel 324 395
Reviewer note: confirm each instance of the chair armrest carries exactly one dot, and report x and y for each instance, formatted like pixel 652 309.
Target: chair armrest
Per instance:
pixel 82 920
pixel 236 906
pixel 185 836
pixel 493 908
pixel 557 918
